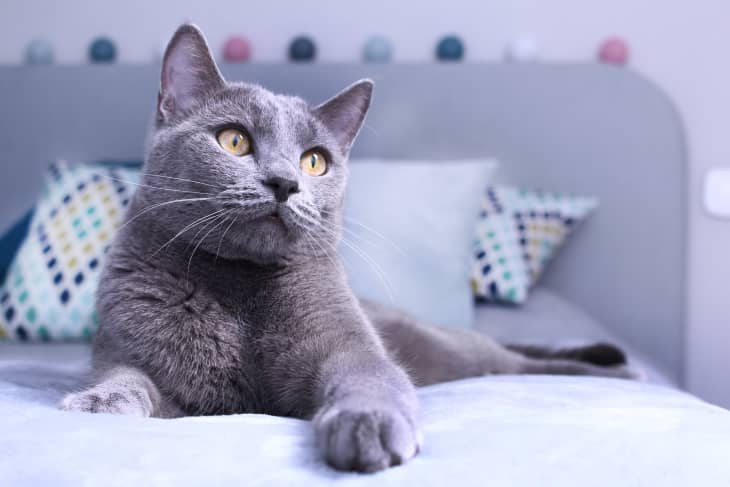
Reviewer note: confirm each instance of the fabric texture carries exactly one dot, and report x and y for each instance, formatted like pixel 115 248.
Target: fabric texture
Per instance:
pixel 517 234
pixel 49 288
pixel 11 240
pixel 408 228
pixel 496 431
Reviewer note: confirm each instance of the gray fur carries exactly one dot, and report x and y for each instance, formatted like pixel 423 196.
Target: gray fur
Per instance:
pixel 231 301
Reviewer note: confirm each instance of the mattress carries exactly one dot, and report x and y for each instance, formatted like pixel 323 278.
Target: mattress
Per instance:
pixel 497 431
pixel 502 430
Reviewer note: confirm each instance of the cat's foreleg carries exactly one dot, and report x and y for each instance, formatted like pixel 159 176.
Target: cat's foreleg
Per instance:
pixel 335 370
pixel 366 419
pixel 120 390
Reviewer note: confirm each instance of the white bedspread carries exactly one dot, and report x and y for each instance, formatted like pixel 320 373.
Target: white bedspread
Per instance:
pixel 498 431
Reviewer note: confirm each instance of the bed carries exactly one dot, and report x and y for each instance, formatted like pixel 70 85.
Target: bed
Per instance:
pixel 582 128
pixel 499 431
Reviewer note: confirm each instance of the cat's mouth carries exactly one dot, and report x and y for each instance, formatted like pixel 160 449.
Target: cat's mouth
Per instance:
pixel 274 218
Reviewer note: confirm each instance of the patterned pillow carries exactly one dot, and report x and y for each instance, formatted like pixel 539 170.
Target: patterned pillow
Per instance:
pixel 49 289
pixel 517 234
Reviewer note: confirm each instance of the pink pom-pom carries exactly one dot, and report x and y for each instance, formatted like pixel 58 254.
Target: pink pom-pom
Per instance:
pixel 614 51
pixel 236 50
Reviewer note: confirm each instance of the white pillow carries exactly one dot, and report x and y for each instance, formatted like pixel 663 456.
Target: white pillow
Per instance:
pixel 413 223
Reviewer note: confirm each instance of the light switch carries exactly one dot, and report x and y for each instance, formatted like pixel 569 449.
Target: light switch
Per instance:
pixel 717 192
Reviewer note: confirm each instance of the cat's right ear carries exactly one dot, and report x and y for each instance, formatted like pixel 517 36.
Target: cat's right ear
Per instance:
pixel 189 73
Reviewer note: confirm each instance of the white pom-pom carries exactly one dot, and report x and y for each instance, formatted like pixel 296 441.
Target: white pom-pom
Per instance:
pixel 522 49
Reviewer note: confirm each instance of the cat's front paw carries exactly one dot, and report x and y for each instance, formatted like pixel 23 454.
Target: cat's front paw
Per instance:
pixel 366 438
pixel 101 400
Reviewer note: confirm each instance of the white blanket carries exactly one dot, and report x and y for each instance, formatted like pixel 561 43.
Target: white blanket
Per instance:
pixel 496 431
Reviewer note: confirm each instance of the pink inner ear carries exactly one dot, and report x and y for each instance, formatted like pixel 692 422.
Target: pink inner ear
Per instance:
pixel 188 73
pixel 180 78
pixel 344 113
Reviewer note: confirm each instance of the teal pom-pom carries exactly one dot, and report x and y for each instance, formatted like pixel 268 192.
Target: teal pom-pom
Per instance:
pixel 102 50
pixel 378 50
pixel 302 48
pixel 39 51
pixel 450 48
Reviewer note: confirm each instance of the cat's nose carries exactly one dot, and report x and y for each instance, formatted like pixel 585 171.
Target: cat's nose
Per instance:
pixel 282 187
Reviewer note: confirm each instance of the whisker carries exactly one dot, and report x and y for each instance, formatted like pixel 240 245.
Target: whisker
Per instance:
pixel 370 128
pixel 345 263
pixel 382 276
pixel 314 215
pixel 178 179
pixel 233 222
pixel 157 205
pixel 222 219
pixel 378 271
pixel 369 229
pixel 207 224
pixel 156 187
pixel 188 227
pixel 311 237
pixel 364 240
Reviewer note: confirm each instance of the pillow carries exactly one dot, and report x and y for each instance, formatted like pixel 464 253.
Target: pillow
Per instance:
pixel 409 226
pixel 10 242
pixel 517 234
pixel 49 289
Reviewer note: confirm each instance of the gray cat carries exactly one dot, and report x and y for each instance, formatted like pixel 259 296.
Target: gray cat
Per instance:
pixel 222 292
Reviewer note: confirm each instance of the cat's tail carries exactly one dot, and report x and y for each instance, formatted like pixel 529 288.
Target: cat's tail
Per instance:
pixel 602 354
pixel 599 359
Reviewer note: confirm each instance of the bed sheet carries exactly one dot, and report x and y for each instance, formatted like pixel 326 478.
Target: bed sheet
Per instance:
pixel 496 431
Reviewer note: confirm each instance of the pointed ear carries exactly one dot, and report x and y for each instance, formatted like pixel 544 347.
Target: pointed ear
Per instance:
pixel 344 113
pixel 189 72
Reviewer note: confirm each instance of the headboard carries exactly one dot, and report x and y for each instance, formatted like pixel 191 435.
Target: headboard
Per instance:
pixel 582 128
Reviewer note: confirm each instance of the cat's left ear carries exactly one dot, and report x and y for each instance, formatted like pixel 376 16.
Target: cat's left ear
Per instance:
pixel 344 113
pixel 189 72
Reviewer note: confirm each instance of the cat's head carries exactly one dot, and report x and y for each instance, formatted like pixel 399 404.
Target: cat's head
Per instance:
pixel 264 174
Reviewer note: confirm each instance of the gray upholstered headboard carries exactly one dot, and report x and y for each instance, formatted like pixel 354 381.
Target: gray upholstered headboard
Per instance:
pixel 584 128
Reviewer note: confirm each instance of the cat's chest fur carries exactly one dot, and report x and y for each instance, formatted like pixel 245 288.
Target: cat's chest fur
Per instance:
pixel 206 334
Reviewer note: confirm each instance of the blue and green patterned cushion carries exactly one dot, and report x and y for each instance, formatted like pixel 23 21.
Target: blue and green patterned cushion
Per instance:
pixel 517 234
pixel 49 288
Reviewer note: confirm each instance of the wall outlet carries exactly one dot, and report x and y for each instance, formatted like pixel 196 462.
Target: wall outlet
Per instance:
pixel 717 192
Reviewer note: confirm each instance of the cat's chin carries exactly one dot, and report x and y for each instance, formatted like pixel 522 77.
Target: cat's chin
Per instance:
pixel 265 239
pixel 272 222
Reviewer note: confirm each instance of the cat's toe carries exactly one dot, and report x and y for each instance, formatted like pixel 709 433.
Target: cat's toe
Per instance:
pixel 110 402
pixel 366 440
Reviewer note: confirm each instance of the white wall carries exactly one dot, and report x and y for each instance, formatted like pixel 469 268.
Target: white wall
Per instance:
pixel 681 45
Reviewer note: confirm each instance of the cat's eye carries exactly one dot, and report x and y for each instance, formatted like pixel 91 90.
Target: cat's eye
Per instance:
pixel 234 141
pixel 313 162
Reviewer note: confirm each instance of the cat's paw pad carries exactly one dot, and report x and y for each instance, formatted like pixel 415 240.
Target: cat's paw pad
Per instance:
pixel 133 403
pixel 366 440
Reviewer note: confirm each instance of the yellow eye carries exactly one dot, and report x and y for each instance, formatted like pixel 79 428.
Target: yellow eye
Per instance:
pixel 313 163
pixel 234 141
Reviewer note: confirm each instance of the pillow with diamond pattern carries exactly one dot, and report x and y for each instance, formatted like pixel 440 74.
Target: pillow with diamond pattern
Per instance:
pixel 49 288
pixel 517 234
